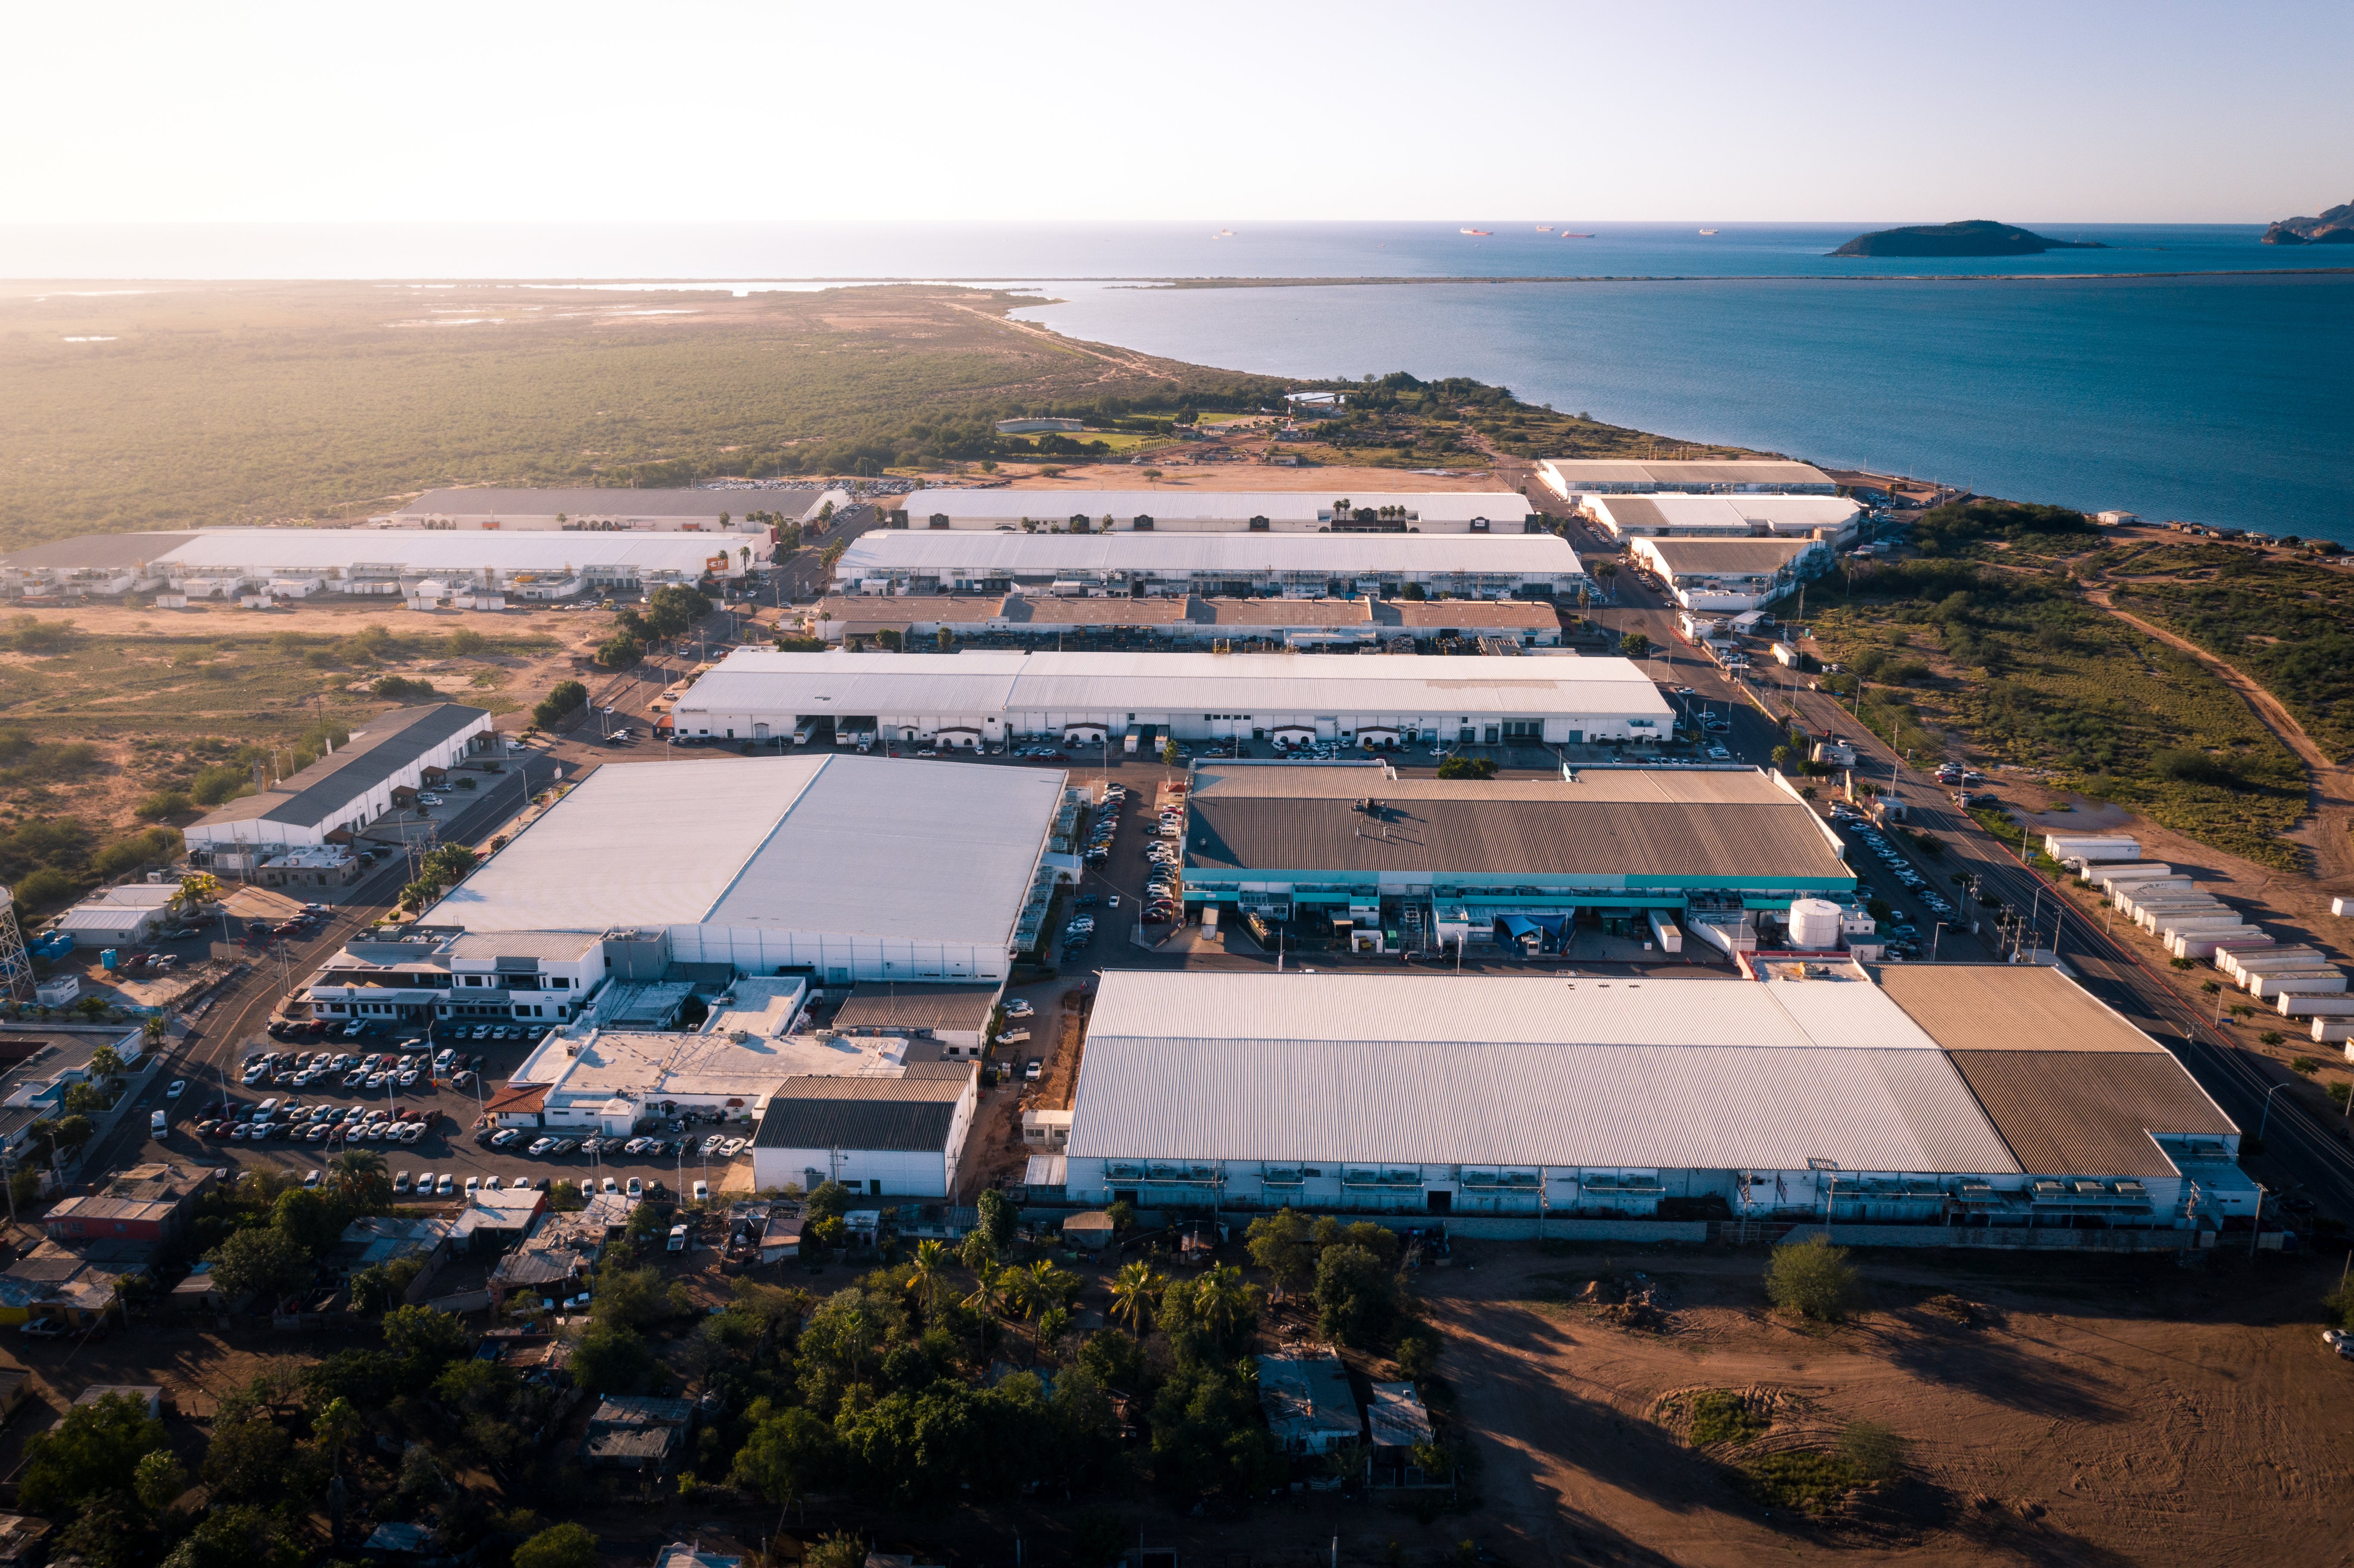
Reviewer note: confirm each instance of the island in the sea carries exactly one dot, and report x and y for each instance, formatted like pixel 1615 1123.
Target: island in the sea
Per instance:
pixel 1973 237
pixel 2333 227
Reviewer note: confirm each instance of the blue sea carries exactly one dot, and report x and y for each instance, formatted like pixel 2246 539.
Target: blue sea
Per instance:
pixel 2183 372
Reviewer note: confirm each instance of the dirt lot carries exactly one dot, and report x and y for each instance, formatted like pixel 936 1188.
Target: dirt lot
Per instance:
pixel 2149 1413
pixel 1180 474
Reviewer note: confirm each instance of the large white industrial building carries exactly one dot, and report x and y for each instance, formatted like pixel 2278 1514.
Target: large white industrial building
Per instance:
pixel 1221 511
pixel 1833 518
pixel 985 697
pixel 1992 1095
pixel 1732 574
pixel 652 511
pixel 1305 565
pixel 844 868
pixel 393 564
pixel 1571 478
pixel 350 787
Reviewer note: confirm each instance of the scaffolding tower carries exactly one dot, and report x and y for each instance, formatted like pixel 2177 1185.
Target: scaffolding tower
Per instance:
pixel 16 963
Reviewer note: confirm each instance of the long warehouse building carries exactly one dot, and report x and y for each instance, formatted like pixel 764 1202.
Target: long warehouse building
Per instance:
pixel 389 562
pixel 580 508
pixel 1243 565
pixel 1988 1094
pixel 1220 511
pixel 986 697
pixel 1611 844
pixel 1571 478
pixel 844 868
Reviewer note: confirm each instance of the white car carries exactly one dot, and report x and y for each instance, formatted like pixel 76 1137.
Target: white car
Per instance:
pixel 703 1192
pixel 179 1087
pixel 474 1184
pixel 636 1189
pixel 2338 1340
pixel 732 1147
pixel 401 1182
pixel 445 1186
pixel 611 1185
pixel 312 1178
pixel 428 800
pixel 1019 1008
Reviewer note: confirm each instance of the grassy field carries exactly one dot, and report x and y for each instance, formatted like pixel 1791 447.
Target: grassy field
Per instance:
pixel 209 404
pixel 2289 623
pixel 2020 670
pixel 121 721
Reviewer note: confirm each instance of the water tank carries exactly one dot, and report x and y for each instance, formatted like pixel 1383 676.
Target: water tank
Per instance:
pixel 1814 924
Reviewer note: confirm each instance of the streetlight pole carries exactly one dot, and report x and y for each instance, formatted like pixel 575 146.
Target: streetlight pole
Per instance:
pixel 2265 1120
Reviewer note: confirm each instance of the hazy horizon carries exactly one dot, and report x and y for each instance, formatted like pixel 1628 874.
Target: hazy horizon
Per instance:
pixel 1712 113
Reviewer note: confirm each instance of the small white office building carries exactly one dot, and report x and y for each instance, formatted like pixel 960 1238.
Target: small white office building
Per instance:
pixel 881 1136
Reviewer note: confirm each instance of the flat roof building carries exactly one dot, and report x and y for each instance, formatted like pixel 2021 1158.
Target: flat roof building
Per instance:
pixel 1988 1094
pixel 840 867
pixel 982 698
pixel 898 1136
pixel 918 620
pixel 346 789
pixel 1834 518
pixel 1244 566
pixel 1271 838
pixel 117 916
pixel 1732 574
pixel 1571 478
pixel 582 509
pixel 1220 511
pixel 398 565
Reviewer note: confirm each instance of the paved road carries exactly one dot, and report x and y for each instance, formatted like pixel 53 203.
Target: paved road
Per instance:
pixel 206 1054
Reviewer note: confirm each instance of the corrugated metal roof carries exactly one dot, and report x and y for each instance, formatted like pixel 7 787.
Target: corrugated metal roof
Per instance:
pixel 95 551
pixel 924 851
pixel 416 550
pixel 1519 614
pixel 977 553
pixel 379 748
pixel 1221 505
pixel 2088 1113
pixel 580 502
pixel 1782 514
pixel 760 681
pixel 2008 1007
pixel 1441 1012
pixel 917 1007
pixel 912 1114
pixel 1538 828
pixel 1442 1100
pixel 1701 557
pixel 1673 475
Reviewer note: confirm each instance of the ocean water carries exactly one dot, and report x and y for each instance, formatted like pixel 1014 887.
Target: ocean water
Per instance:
pixel 2218 398
pixel 2185 371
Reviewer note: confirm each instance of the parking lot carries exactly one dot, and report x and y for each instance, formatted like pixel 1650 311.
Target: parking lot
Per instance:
pixel 329 1097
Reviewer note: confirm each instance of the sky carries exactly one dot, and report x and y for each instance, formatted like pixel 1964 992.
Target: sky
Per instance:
pixel 2162 111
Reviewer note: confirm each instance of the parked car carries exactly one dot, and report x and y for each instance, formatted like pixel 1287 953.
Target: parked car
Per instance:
pixel 1033 1068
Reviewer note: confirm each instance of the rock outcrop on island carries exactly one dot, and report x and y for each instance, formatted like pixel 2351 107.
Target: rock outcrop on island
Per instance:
pixel 1974 237
pixel 2335 226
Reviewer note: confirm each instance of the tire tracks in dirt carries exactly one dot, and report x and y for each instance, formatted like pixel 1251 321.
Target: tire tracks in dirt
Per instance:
pixel 2330 810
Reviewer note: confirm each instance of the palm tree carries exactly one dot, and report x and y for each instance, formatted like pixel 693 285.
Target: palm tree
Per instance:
pixel 105 1062
pixel 1222 1299
pixel 975 1253
pixel 1134 1291
pixel 356 1172
pixel 1053 1286
pixel 987 1297
pixel 927 1274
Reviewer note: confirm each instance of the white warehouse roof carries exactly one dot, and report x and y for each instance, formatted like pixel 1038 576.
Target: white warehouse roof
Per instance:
pixel 416 550
pixel 1724 513
pixel 905 849
pixel 1219 505
pixel 580 501
pixel 919 550
pixel 1438 1070
pixel 760 681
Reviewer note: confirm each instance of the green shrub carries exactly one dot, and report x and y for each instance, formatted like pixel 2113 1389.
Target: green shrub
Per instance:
pixel 1720 1415
pixel 1812 1278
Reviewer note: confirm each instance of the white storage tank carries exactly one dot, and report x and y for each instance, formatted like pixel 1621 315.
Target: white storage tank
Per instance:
pixel 1814 924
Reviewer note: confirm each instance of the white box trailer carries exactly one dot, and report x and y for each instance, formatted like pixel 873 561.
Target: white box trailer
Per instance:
pixel 2335 1032
pixel 2311 983
pixel 2294 1006
pixel 2090 848
pixel 1666 933
pixel 2242 965
pixel 2205 944
pixel 2341 905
